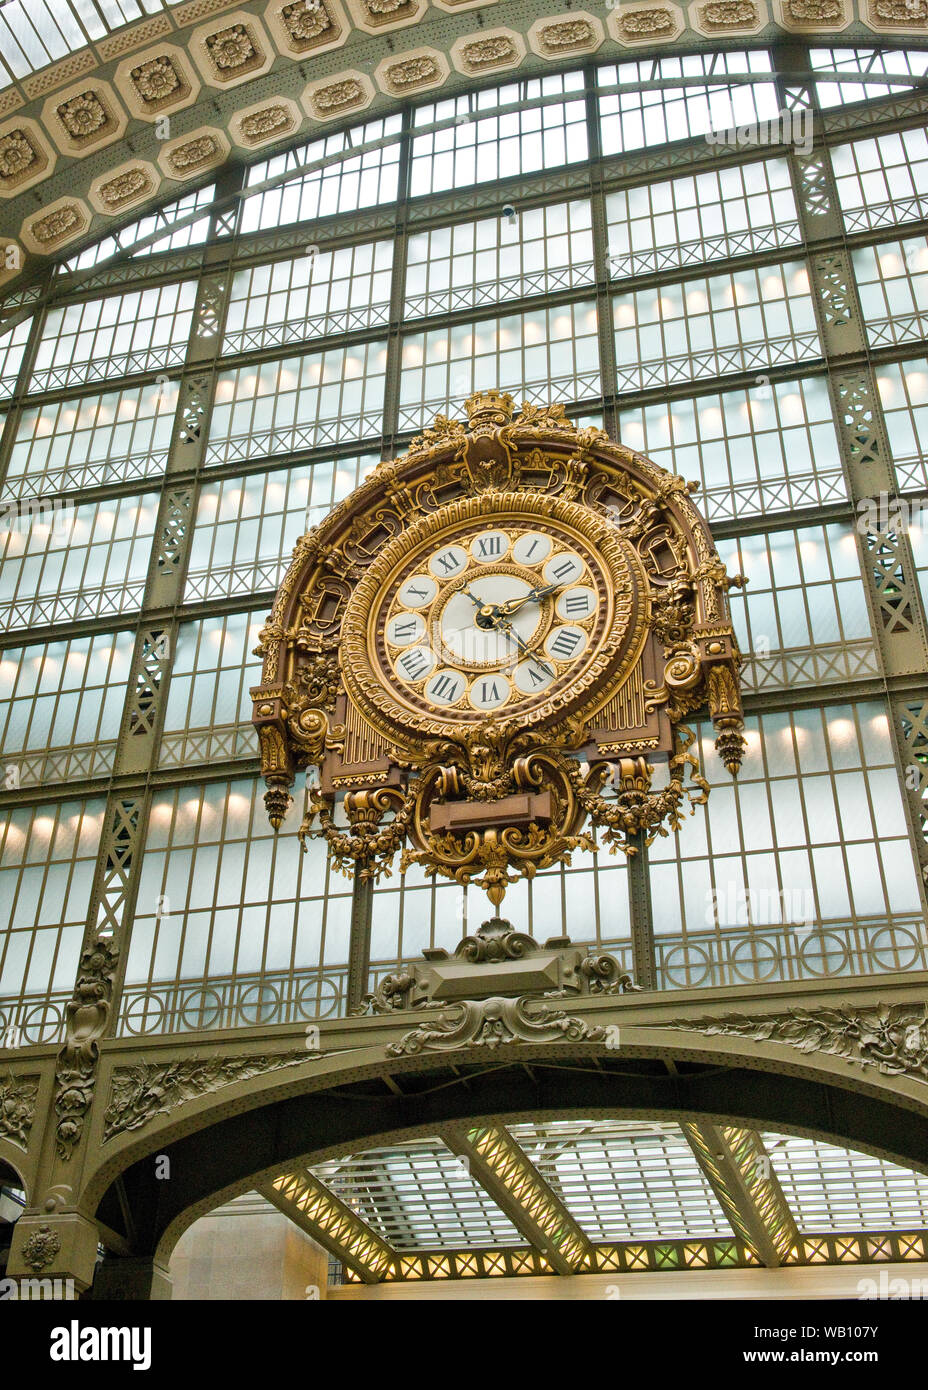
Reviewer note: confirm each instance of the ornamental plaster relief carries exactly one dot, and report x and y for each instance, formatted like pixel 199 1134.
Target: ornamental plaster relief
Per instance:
pixel 157 82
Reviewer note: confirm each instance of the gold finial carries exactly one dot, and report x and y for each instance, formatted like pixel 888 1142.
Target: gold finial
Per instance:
pixel 489 408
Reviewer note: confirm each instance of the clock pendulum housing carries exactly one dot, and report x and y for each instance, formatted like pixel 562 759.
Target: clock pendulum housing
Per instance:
pixel 490 648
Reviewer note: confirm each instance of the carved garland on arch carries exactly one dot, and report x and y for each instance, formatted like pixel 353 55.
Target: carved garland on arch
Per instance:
pixel 892 1038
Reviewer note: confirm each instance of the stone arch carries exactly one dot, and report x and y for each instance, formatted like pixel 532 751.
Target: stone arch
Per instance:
pixel 12 1170
pixel 253 1130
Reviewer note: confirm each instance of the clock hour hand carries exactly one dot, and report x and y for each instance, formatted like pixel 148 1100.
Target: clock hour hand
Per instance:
pixel 532 596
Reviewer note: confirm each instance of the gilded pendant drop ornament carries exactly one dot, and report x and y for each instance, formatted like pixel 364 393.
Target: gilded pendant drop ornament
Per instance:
pixel 490 648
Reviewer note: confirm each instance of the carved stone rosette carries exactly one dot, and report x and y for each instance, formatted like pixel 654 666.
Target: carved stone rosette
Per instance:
pixel 490 798
pixel 40 1249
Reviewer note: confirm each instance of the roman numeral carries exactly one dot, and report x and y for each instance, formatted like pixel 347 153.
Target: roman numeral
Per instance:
pixel 414 664
pixel 493 692
pixel 531 550
pixel 418 593
pixel 490 545
pixel 444 688
pixel 579 603
pixel 536 676
pixel 566 643
pixel 405 629
pixel 448 562
pixel 565 568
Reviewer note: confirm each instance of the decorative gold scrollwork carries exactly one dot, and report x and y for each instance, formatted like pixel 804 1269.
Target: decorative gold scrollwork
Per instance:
pixel 489 799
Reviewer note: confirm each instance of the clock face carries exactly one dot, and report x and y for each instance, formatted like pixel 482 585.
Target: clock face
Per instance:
pixel 493 617
pixel 511 613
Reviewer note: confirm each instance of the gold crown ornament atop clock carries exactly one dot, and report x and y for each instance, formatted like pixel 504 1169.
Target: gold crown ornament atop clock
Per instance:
pixel 490 648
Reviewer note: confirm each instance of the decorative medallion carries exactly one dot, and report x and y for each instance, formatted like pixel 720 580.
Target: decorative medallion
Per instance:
pixel 258 125
pixel 576 32
pixel 84 118
pixel 487 52
pixel 909 15
pixel 157 81
pixel 329 99
pixel 636 24
pixel 61 222
pixel 126 188
pixel 24 157
pixel 130 183
pixel 40 1248
pixel 412 72
pixel 812 14
pixel 727 16
pixel 57 225
pixel 373 16
pixel 305 26
pixel 203 148
pixel 491 643
pixel 232 52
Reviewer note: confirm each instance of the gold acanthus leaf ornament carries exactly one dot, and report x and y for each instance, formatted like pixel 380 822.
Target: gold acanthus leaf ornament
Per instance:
pixel 491 795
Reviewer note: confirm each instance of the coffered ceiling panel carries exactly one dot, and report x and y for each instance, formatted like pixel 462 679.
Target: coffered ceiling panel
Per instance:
pixel 102 116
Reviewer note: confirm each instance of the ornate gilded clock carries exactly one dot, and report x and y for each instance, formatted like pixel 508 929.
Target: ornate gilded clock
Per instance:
pixel 493 642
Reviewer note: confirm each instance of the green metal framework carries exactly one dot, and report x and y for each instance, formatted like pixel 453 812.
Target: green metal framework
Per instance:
pixel 892 671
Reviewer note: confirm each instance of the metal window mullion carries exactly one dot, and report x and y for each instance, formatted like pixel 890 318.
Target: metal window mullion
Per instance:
pixel 39 314
pixel 862 481
pixel 138 753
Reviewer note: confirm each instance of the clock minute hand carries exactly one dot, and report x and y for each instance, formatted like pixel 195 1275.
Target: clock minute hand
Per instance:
pixel 510 631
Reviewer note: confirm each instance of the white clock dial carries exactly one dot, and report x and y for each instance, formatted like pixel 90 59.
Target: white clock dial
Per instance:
pixel 576 604
pixel 462 636
pixel 418 592
pixel 445 687
pixel 563 568
pixel 566 643
pixel 405 629
pixel 489 692
pixel 532 549
pixel 415 664
pixel 496 615
pixel 490 545
pixel 448 561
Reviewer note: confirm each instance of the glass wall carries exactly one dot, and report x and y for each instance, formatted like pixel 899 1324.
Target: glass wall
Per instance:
pixel 564 238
